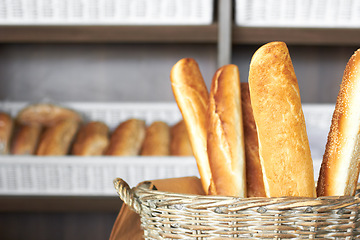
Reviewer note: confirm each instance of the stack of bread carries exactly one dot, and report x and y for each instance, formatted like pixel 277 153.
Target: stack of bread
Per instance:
pixel 51 130
pixel 250 139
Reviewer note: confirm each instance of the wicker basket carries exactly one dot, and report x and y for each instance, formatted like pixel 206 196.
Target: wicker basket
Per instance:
pixel 179 216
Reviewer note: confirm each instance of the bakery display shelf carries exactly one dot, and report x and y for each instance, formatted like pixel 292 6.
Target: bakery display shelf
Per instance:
pixel 93 176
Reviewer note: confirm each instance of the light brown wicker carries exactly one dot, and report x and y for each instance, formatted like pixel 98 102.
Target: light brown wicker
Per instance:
pixel 167 215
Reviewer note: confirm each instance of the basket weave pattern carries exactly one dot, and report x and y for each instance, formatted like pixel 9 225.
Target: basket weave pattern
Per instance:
pixel 179 216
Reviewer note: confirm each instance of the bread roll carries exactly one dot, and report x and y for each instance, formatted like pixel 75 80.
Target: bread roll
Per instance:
pixel 192 98
pixel 180 143
pixel 254 176
pixel 56 139
pixel 283 143
pixel 127 138
pixel 225 136
pixel 157 140
pixel 6 129
pixel 341 162
pixel 26 139
pixel 46 114
pixel 91 140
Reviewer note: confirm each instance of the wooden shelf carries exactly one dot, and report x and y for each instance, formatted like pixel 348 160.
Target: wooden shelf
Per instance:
pixel 123 34
pixel 299 36
pixel 59 204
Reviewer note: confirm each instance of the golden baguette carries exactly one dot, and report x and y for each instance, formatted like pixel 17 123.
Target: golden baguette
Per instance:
pixel 192 98
pixel 283 143
pixel 157 140
pixel 225 136
pixel 254 176
pixel 341 162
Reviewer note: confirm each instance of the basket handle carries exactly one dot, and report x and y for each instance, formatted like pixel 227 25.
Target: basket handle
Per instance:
pixel 127 194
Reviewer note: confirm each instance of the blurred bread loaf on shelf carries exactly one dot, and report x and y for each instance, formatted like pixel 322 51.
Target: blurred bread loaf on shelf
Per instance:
pixel 56 139
pixel 283 143
pixel 254 176
pixel 127 138
pixel 6 129
pixel 225 136
pixel 25 139
pixel 92 139
pixel 340 167
pixel 157 140
pixel 180 143
pixel 46 114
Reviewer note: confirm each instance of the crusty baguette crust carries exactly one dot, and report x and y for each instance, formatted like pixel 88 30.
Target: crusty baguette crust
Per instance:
pixel 225 137
pixel 56 139
pixel 254 176
pixel 283 143
pixel 26 139
pixel 46 114
pixel 192 98
pixel 91 140
pixel 6 129
pixel 127 138
pixel 180 143
pixel 341 162
pixel 157 140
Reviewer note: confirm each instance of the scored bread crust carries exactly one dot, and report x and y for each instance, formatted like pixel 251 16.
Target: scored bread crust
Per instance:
pixel 339 170
pixel 254 176
pixel 46 114
pixel 157 140
pixel 92 139
pixel 225 137
pixel 192 98
pixel 26 139
pixel 180 143
pixel 283 143
pixel 56 139
pixel 127 138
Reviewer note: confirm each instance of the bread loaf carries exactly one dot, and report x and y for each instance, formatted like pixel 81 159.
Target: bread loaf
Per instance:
pixel 46 114
pixel 92 139
pixel 225 136
pixel 56 139
pixel 6 129
pixel 127 138
pixel 192 98
pixel 157 140
pixel 26 139
pixel 254 176
pixel 341 162
pixel 283 143
pixel 180 143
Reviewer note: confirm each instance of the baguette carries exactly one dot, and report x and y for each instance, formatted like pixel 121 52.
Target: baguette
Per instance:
pixel 91 140
pixel 254 177
pixel 192 98
pixel 56 139
pixel 157 140
pixel 6 129
pixel 26 139
pixel 46 114
pixel 225 137
pixel 339 170
pixel 127 138
pixel 283 143
pixel 180 143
